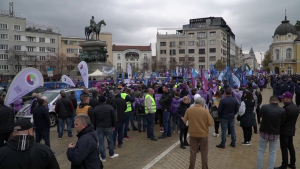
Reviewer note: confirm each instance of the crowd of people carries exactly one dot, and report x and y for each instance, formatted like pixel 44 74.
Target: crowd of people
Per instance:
pixel 182 108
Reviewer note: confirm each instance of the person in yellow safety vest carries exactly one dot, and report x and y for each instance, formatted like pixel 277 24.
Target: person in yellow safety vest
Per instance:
pixel 150 110
pixel 84 107
pixel 129 116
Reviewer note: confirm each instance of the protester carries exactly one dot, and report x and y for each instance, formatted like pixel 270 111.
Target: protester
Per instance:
pixel 199 120
pixel 22 152
pixel 159 111
pixel 175 104
pixel 150 110
pixel 227 110
pixel 94 101
pixel 84 154
pixel 180 112
pixel 17 105
pixel 287 131
pixel 297 92
pixel 214 112
pixel 165 101
pixel 85 108
pixel 140 112
pixel 85 91
pixel 272 118
pixel 7 117
pixel 74 101
pixel 105 122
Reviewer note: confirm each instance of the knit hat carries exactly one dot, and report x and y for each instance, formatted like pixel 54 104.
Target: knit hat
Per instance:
pixel 102 99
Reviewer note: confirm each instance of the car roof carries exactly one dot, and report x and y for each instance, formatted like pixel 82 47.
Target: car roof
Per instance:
pixel 66 90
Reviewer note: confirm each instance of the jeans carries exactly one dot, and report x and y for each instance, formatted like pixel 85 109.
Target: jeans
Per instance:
pixel 230 124
pixel 108 133
pixel 247 131
pixel 286 145
pixel 130 114
pixel 73 118
pixel 175 121
pixel 42 134
pixel 262 145
pixel 150 125
pixel 119 129
pixel 139 118
pixel 217 125
pixel 167 124
pixel 61 127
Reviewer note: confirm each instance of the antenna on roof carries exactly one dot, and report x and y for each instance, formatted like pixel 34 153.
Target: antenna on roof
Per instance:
pixel 285 13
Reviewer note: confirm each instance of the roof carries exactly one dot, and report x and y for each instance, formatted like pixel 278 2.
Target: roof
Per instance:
pixel 298 38
pixel 284 28
pixel 122 48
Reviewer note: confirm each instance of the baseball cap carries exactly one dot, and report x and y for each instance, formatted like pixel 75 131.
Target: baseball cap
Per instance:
pixel 286 95
pixel 25 124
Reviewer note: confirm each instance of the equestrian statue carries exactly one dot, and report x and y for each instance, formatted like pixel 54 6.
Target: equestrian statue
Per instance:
pixel 94 28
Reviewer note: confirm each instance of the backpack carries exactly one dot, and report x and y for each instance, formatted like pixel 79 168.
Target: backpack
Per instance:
pixel 140 107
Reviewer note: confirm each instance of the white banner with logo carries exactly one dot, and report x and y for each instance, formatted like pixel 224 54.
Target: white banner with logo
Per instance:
pixel 148 74
pixel 25 81
pixel 129 71
pixel 108 70
pixel 65 79
pixel 82 66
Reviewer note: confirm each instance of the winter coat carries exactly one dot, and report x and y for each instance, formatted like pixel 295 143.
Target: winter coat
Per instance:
pixel 64 108
pixel 94 102
pixel 165 101
pixel 120 107
pixel 248 118
pixel 7 119
pixel 228 108
pixel 41 118
pixel 74 101
pixel 272 118
pixel 181 112
pixel 104 116
pixel 289 123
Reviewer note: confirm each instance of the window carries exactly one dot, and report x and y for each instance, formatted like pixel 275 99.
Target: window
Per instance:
pixel 52 40
pixel 18 67
pixel 17 27
pixel 201 59
pixel 30 49
pixel 52 50
pixel 289 53
pixel 42 49
pixel 71 50
pixel 212 33
pixel 212 42
pixel 3 47
pixel 172 44
pixel 42 58
pixel 3 57
pixel 181 43
pixel 191 35
pixel 201 34
pixel 191 43
pixel 289 36
pixel 277 54
pixel 201 51
pixel 42 39
pixel 17 47
pixel 202 43
pixel 181 59
pixel 164 59
pixel 80 50
pixel 181 51
pixel 119 66
pixel 212 58
pixel 119 56
pixel 3 26
pixel 191 59
pixel 145 56
pixel 31 39
pixel 202 67
pixel 172 52
pixel 163 44
pixel 43 67
pixel 191 50
pixel 212 50
pixel 163 51
pixel 17 37
pixel 4 36
pixel 289 70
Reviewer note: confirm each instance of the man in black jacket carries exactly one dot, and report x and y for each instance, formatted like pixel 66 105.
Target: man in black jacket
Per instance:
pixel 64 109
pixel 272 117
pixel 74 101
pixel 227 110
pixel 165 101
pixel 105 122
pixel 22 152
pixel 120 106
pixel 7 117
pixel 287 131
pixel 41 121
pixel 84 154
pixel 94 101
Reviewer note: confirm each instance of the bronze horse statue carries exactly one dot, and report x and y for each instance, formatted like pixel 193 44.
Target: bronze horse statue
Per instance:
pixel 96 30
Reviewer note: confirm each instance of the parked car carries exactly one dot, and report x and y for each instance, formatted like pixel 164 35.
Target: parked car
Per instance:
pixel 28 96
pixel 51 98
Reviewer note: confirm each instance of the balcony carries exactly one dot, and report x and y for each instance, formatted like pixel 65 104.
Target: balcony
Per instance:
pixel 171 35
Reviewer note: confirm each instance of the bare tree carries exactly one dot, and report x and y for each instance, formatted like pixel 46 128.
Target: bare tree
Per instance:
pixel 153 63
pixel 17 59
pixel 60 63
pixel 187 62
pixel 173 63
pixel 146 64
pixel 162 65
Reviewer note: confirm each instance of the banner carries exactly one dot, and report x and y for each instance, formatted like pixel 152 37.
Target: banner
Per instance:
pixel 108 70
pixel 25 81
pixel 177 71
pixel 236 80
pixel 82 66
pixel 65 79
pixel 129 73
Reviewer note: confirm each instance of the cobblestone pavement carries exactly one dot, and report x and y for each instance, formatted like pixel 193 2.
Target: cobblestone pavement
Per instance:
pixel 138 151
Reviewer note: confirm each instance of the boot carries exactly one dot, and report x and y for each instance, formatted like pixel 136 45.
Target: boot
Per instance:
pixel 182 146
pixel 186 143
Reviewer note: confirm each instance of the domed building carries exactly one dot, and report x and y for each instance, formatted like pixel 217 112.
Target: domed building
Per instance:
pixel 285 49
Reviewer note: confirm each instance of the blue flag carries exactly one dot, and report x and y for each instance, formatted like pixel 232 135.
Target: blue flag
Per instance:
pixel 250 72
pixel 238 74
pixel 135 74
pixel 117 77
pixel 213 71
pixel 228 77
pixel 245 81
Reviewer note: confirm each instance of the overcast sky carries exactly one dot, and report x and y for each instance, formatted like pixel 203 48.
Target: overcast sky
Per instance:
pixel 135 22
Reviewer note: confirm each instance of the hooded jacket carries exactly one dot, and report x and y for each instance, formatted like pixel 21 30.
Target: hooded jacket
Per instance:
pixel 22 152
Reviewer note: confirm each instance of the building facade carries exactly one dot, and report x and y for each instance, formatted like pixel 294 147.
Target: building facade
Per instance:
pixel 285 49
pixel 204 41
pixel 139 57
pixel 250 60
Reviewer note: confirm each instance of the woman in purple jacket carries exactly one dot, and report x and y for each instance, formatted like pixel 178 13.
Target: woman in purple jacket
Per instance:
pixel 175 104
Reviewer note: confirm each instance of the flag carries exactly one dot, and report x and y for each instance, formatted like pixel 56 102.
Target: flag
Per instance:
pixel 65 79
pixel 194 73
pixel 245 81
pixel 221 76
pixel 74 81
pixel 213 71
pixel 108 69
pixel 192 79
pixel 83 68
pixel 129 72
pixel 250 72
pixel 167 80
pixel 236 80
pixel 24 82
pixel 238 74
pixel 204 81
pixel 247 69
pixel 135 74
pixel 228 77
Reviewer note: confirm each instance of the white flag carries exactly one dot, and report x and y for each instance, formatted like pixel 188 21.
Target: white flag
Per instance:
pixel 108 70
pixel 25 81
pixel 82 66
pixel 129 71
pixel 177 71
pixel 65 79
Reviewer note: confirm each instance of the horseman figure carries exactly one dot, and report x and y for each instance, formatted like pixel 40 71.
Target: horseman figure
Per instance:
pixel 94 28
pixel 92 24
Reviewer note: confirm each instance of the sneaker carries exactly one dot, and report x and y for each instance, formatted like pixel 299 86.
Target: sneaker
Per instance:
pixel 59 138
pixel 114 156
pixel 246 143
pixel 154 139
pixel 218 135
pixel 182 146
pixel 126 137
pixel 70 136
pixel 103 160
pixel 220 146
pixel 215 134
pixel 186 143
pixel 120 145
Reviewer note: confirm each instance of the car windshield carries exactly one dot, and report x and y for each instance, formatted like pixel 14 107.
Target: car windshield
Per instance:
pixel 50 96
